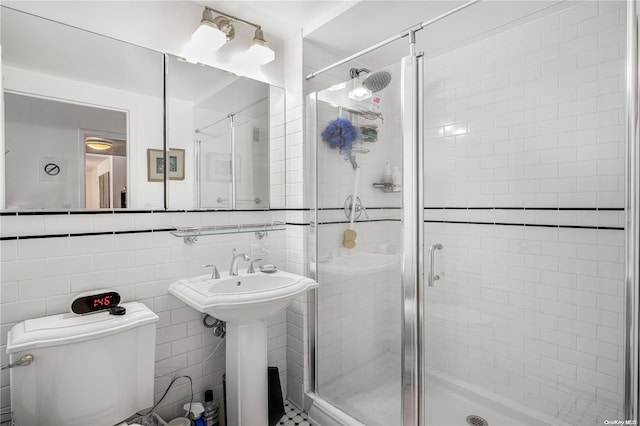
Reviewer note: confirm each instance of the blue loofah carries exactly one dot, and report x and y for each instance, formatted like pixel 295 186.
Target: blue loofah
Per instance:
pixel 341 133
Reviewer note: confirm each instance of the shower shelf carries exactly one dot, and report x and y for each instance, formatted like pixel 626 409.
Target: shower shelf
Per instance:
pixel 385 187
pixel 369 115
pixel 190 234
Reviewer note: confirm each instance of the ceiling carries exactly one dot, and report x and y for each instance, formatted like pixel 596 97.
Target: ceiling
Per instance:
pixel 283 19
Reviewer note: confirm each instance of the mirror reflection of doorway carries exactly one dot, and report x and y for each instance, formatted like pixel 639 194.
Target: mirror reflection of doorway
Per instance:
pixel 105 169
pixel 104 182
pixel 46 152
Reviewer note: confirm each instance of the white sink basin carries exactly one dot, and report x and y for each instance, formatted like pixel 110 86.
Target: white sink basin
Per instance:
pixel 244 298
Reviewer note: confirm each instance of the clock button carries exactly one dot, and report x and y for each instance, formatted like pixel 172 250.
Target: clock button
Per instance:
pixel 117 310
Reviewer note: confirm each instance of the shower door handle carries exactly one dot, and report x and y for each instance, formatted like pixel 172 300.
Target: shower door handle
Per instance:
pixel 432 277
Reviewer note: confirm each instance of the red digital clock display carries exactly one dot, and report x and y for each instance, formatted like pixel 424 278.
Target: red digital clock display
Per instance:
pixel 102 301
pixel 95 302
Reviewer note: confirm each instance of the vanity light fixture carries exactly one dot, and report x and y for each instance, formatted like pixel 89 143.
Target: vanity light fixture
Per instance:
pixel 215 31
pixel 259 52
pixel 100 144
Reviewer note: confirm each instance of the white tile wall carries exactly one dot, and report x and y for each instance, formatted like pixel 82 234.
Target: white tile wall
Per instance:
pixel 40 276
pixel 533 314
pixel 538 112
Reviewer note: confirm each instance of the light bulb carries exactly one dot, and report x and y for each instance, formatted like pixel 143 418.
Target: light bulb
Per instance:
pixel 208 38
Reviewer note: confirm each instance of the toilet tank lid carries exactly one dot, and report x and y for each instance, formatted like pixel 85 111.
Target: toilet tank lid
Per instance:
pixel 69 328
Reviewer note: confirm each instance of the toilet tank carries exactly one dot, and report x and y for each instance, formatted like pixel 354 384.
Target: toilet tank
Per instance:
pixel 95 369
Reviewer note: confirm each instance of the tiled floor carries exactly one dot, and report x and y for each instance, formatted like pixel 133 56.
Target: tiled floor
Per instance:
pixel 293 416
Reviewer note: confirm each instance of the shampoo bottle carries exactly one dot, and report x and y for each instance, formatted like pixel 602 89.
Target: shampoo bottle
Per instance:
pixel 397 180
pixel 210 409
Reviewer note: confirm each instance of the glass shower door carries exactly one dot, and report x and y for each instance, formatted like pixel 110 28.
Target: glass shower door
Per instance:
pixel 359 246
pixel 524 191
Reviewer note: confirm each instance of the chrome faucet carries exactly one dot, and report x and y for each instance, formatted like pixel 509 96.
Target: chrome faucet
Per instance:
pixel 233 269
pixel 214 271
pixel 251 268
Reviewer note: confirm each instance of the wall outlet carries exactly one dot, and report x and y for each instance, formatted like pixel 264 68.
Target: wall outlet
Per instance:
pixel 259 250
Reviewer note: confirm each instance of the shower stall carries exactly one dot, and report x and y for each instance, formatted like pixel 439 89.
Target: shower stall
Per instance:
pixel 495 283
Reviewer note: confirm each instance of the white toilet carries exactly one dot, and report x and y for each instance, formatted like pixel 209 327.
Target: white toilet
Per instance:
pixel 95 369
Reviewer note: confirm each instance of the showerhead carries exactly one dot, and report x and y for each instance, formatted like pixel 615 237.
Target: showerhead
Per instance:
pixel 377 81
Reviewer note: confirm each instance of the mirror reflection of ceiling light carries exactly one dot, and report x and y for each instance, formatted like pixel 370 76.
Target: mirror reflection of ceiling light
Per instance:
pixel 360 93
pixel 215 32
pixel 338 86
pixel 100 144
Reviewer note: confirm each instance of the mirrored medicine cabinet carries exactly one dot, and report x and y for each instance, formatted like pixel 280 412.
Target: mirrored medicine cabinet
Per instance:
pixel 85 127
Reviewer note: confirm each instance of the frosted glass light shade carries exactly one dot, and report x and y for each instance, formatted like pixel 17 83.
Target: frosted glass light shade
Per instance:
pixel 260 54
pixel 208 38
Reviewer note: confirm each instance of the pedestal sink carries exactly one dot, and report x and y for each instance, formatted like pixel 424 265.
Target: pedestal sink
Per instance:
pixel 244 301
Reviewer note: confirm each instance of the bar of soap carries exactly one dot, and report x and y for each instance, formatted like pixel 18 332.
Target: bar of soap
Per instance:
pixel 267 269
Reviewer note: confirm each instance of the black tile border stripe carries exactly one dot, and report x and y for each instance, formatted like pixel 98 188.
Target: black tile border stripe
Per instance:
pixel 142 231
pixel 359 221
pixel 125 211
pixel 616 209
pixel 32 237
pixel 324 209
pixel 341 222
pixel 531 225
pixel 89 234
pixel 302 209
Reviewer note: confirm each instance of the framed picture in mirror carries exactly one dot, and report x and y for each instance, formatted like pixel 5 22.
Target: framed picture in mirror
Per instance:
pixel 176 164
pixel 155 165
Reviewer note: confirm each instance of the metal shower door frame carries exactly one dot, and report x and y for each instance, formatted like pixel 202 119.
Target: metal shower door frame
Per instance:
pixel 412 238
pixel 632 222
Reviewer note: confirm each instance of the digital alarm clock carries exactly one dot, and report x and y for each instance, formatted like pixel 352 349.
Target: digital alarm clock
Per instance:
pixel 95 301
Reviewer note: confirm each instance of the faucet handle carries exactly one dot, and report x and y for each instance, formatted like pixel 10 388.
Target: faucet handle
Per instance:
pixel 250 269
pixel 215 274
pixel 364 210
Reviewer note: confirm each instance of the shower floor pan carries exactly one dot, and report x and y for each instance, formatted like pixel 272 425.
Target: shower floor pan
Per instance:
pixel 371 392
